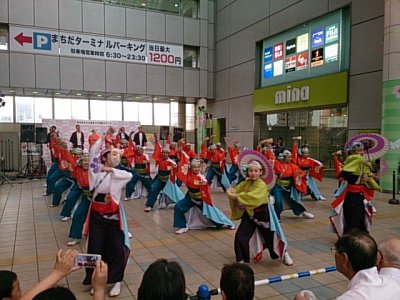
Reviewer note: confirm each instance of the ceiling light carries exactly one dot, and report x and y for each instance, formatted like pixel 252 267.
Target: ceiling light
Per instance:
pixel 137 97
pixel 171 99
pixel 143 4
pixel 35 92
pixel 154 98
pixel 11 91
pixel 119 96
pixel 99 95
pixel 176 4
pixel 79 94
pixel 57 93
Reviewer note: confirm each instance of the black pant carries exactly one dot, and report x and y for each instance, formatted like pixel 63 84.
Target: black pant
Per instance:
pixel 107 239
pixel 244 234
pixel 354 212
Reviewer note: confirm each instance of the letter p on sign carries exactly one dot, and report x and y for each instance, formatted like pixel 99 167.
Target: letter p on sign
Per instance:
pixel 42 41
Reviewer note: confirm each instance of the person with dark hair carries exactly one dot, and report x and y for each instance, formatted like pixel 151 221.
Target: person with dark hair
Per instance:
pixel 312 167
pixel 249 202
pixel 123 138
pixel 139 137
pixel 278 147
pixel 165 169
pixel 355 257
pixel 217 165
pixel 163 280
pixel 77 138
pixel 237 282
pixel 59 293
pixel 64 265
pixel 107 226
pixel 9 286
pixel 288 186
pixel 51 135
pixel 353 209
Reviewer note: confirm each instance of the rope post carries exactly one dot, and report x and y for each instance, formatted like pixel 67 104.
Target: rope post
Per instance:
pixel 394 200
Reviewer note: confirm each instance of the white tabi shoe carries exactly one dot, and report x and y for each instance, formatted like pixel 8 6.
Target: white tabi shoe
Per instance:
pixel 126 199
pixel 287 260
pixel 116 290
pixel 182 230
pixel 130 235
pixel 307 215
pixel 322 198
pixel 72 243
pixel 147 209
pixel 65 219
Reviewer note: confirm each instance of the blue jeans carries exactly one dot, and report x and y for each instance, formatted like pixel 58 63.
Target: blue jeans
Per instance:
pixel 213 172
pixel 232 173
pixel 62 185
pixel 156 188
pixel 130 186
pixel 280 195
pixel 53 168
pixel 53 178
pixel 79 218
pixel 73 196
pixel 181 207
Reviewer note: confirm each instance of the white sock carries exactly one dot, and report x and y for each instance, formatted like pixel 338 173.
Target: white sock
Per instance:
pixel 116 289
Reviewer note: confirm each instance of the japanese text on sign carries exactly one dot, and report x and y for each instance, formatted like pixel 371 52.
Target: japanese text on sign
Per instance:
pixel 96 47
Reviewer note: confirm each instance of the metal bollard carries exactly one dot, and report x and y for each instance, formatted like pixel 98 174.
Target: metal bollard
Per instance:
pixel 394 200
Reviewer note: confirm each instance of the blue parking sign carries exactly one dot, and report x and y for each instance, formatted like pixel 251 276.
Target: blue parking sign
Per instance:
pixel 42 41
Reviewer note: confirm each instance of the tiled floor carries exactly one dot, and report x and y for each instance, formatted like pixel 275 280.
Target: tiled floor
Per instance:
pixel 31 233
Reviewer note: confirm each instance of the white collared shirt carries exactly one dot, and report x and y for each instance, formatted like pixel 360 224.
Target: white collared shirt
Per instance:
pixel 368 284
pixel 391 272
pixel 140 138
pixel 78 138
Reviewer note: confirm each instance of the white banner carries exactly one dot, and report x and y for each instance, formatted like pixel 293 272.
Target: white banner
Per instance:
pixel 66 127
pixel 125 50
pixel 162 54
pixel 81 45
pixel 74 44
pixel 34 41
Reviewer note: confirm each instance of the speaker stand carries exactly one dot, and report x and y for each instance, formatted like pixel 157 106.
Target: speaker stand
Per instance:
pixel 27 170
pixel 3 177
pixel 41 169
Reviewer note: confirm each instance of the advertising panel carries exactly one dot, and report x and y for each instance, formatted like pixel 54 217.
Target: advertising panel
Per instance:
pixel 319 47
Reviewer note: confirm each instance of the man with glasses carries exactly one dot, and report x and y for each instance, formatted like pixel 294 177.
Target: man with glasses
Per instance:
pixel 355 257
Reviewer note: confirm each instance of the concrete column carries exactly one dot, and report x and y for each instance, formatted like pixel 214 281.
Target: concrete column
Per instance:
pixel 391 91
pixel 201 130
pixel 182 115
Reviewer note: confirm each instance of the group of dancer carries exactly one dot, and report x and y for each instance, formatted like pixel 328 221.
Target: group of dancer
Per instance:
pixel 96 179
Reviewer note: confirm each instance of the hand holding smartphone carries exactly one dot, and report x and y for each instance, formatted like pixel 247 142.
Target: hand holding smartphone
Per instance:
pixel 87 260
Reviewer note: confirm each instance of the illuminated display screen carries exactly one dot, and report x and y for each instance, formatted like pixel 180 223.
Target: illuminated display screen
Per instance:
pixel 317 48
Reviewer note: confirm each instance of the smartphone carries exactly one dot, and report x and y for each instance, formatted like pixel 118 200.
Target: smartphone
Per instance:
pixel 87 260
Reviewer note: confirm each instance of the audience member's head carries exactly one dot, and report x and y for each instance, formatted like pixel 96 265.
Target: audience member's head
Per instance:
pixel 163 280
pixel 355 251
pixel 237 282
pixel 9 286
pixel 389 251
pixel 59 293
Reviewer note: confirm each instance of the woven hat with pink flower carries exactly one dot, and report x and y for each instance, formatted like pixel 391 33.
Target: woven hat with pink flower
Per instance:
pixel 247 157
